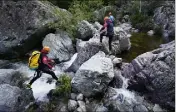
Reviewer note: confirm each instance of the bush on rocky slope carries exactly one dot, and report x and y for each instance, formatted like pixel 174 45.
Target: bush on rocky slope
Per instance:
pixel 64 89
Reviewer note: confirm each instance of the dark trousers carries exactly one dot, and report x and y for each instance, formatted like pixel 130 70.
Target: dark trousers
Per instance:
pixel 110 39
pixel 39 74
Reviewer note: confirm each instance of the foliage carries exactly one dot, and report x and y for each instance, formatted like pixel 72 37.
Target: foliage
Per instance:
pixel 62 3
pixel 80 10
pixel 64 89
pixel 142 22
pixel 63 22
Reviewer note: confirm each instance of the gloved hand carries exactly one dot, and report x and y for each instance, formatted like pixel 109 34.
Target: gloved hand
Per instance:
pixel 53 69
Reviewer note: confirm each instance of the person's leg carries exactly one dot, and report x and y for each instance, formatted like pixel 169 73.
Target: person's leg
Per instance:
pixel 48 71
pixel 101 36
pixel 110 41
pixel 39 74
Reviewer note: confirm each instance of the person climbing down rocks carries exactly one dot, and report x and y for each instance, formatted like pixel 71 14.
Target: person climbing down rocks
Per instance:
pixel 107 30
pixel 42 64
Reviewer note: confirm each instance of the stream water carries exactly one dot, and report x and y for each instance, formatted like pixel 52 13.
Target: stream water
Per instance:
pixel 43 85
pixel 141 43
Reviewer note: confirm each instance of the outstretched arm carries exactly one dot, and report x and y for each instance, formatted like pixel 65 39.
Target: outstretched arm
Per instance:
pixel 46 61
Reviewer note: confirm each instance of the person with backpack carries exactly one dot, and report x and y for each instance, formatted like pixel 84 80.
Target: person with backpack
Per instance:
pixel 41 63
pixel 107 30
pixel 111 17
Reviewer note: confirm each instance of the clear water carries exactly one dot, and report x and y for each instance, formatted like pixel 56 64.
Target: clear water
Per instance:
pixel 141 43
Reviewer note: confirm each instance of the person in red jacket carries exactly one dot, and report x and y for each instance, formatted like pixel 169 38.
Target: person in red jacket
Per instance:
pixel 45 66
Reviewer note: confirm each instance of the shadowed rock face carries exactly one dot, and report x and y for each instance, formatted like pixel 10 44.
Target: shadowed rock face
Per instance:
pixel 23 24
pixel 154 71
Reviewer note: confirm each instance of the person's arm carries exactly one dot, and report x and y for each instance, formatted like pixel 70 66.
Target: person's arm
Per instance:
pixel 46 62
pixel 104 28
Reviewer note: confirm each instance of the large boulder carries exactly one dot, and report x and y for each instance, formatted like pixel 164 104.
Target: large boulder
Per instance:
pixel 93 76
pixel 86 49
pixel 154 73
pixel 85 30
pixel 122 33
pixel 13 99
pixel 60 44
pixel 164 16
pixel 24 24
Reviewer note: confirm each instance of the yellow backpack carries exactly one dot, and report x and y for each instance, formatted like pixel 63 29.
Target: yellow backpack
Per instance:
pixel 34 60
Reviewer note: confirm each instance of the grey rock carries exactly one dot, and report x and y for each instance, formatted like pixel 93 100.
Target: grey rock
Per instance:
pixel 82 105
pixel 97 25
pixel 85 49
pixel 121 33
pixel 60 44
pixel 150 33
pixel 13 99
pixel 157 108
pixel 23 25
pixel 155 71
pixel 117 61
pixel 126 18
pixel 80 97
pixel 72 105
pixel 140 108
pixel 79 109
pixel 112 57
pixel 117 81
pixel 4 63
pixel 101 108
pixel 126 27
pixel 63 109
pixel 73 96
pixel 85 30
pixel 93 76
pixel 164 16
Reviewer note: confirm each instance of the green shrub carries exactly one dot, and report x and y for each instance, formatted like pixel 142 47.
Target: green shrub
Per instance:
pixel 142 22
pixel 64 89
pixel 80 10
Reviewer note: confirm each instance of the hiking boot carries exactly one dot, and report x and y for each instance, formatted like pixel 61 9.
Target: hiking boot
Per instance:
pixel 28 86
